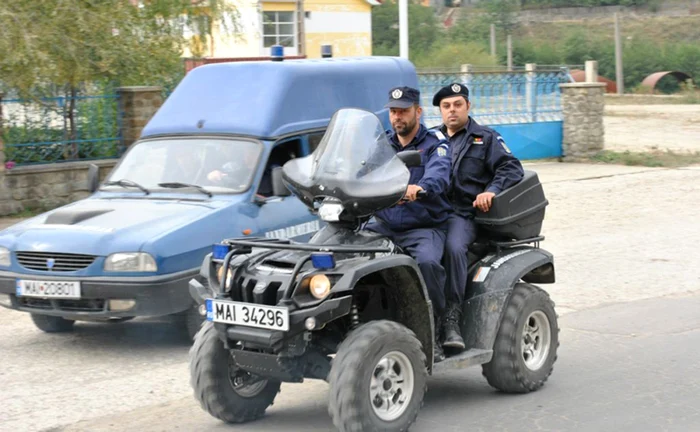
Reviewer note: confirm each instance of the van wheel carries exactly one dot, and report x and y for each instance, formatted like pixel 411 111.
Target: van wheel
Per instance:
pixel 377 379
pixel 52 324
pixel 222 389
pixel 526 344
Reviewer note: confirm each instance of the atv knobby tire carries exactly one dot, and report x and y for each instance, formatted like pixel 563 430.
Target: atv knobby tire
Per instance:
pixel 507 371
pixel 52 324
pixel 210 370
pixel 358 359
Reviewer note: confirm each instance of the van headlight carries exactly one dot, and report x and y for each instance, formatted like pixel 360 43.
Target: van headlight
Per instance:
pixel 130 262
pixel 4 257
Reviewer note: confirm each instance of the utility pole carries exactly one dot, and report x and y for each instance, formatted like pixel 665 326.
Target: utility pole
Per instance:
pixel 619 76
pixel 493 40
pixel 403 29
pixel 509 43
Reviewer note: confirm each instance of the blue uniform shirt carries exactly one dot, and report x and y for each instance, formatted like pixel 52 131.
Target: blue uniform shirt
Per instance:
pixel 481 162
pixel 433 176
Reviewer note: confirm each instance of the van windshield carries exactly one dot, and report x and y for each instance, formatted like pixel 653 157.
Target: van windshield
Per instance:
pixel 220 165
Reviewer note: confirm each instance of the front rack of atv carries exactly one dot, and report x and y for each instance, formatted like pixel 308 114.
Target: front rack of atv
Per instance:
pixel 245 246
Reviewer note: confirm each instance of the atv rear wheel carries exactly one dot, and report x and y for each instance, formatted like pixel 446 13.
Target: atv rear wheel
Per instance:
pixel 377 379
pixel 52 324
pixel 223 390
pixel 526 344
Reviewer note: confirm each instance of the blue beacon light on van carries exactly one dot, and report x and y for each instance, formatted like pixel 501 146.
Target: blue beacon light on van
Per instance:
pixel 322 260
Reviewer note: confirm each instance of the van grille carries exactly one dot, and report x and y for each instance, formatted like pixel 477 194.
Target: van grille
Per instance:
pixel 56 262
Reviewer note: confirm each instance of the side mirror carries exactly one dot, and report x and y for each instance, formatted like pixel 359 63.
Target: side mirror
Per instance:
pixel 411 158
pixel 93 178
pixel 278 187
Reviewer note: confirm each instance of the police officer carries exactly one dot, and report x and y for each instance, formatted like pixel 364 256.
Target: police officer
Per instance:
pixel 419 225
pixel 482 167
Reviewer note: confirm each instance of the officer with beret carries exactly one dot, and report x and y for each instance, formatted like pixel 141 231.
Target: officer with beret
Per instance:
pixel 418 225
pixel 482 167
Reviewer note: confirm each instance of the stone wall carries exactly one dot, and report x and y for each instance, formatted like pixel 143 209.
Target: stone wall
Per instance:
pixel 137 105
pixel 43 187
pixel 583 105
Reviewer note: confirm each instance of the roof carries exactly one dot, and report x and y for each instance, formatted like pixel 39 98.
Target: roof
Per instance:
pixel 270 99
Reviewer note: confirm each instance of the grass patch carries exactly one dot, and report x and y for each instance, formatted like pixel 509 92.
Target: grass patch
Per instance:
pixel 656 158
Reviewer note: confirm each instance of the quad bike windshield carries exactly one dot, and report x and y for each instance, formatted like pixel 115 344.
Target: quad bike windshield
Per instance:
pixel 354 171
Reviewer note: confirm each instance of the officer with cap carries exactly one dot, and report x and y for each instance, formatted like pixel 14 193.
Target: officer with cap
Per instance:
pixel 482 167
pixel 419 225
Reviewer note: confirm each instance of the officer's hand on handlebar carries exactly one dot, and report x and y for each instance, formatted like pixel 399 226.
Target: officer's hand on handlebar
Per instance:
pixel 483 201
pixel 412 192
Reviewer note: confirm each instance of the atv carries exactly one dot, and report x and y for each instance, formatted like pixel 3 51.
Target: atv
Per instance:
pixel 349 307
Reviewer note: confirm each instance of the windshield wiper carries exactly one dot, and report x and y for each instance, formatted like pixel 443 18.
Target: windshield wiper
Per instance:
pixel 177 185
pixel 127 184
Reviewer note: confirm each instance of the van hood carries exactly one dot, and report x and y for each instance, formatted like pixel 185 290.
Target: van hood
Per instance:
pixel 102 227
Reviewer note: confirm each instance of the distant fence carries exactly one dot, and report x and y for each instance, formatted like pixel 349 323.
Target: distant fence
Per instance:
pixel 46 129
pixel 500 97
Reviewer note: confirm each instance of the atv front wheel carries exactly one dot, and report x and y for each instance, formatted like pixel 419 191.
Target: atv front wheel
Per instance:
pixel 378 379
pixel 526 344
pixel 222 389
pixel 52 324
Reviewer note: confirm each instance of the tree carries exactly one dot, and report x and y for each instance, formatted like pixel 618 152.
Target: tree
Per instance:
pixel 422 28
pixel 65 44
pixel 503 13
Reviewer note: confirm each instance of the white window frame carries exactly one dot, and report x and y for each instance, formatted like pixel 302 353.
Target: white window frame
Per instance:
pixel 288 51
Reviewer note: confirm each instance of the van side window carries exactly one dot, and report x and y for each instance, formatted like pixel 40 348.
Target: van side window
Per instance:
pixel 315 140
pixel 280 154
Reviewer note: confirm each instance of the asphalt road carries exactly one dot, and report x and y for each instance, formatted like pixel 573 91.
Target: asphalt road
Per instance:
pixel 625 367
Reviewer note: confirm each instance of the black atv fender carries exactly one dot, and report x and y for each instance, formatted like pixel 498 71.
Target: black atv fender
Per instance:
pixel 405 289
pixel 491 283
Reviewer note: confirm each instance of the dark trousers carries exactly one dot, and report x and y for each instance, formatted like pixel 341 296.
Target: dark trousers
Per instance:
pixel 461 233
pixel 426 246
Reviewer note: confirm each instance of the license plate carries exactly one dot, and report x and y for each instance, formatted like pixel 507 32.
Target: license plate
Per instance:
pixel 248 314
pixel 48 289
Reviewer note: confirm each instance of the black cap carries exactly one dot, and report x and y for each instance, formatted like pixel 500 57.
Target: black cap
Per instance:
pixel 403 97
pixel 454 89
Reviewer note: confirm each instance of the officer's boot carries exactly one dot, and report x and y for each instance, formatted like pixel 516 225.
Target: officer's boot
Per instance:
pixel 438 353
pixel 451 327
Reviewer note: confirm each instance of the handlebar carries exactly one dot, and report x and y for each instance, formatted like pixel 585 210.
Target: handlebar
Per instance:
pixel 419 195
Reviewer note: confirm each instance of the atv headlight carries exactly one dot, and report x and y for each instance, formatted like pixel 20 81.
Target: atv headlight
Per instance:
pixel 330 211
pixel 4 257
pixel 220 276
pixel 130 262
pixel 320 286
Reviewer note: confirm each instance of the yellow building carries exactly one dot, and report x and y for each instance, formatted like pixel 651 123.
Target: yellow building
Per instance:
pixel 302 27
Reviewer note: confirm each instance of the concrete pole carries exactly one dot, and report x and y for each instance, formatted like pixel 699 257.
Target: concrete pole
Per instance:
pixel 403 28
pixel 531 90
pixel 509 44
pixel 619 76
pixel 493 40
pixel 591 71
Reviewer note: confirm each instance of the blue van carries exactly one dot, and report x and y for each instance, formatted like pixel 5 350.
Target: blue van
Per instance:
pixel 202 170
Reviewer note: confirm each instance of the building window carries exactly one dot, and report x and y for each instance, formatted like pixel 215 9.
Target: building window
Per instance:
pixel 279 29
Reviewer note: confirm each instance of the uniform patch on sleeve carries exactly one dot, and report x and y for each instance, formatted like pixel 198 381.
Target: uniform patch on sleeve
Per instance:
pixel 503 143
pixel 442 150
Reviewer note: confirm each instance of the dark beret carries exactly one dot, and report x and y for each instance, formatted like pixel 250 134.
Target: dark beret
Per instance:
pixel 454 89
